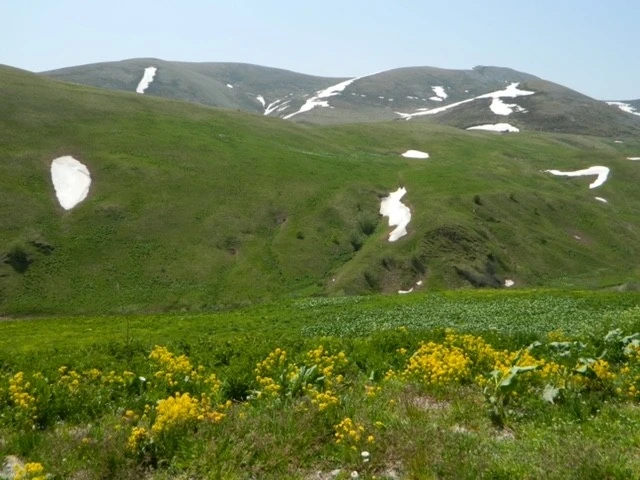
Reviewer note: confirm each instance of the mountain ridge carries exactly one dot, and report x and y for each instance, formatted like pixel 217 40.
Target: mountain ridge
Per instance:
pixel 382 96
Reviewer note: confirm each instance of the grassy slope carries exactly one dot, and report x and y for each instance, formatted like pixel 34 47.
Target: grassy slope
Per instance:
pixel 195 207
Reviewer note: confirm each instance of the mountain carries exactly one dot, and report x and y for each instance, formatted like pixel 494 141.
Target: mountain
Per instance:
pixel 192 207
pixel 628 106
pixel 459 98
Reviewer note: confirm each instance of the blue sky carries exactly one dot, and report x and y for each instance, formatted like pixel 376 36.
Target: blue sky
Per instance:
pixel 589 45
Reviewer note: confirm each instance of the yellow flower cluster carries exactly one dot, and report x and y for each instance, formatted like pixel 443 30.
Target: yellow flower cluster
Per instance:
pixel 21 398
pixel 602 369
pixel 112 378
pixel 438 364
pixel 69 379
pixel 372 390
pixel 180 410
pixel 172 369
pixel 137 436
pixel 274 362
pixel 322 400
pixel 351 434
pixel 177 410
pixel 327 364
pixel 30 471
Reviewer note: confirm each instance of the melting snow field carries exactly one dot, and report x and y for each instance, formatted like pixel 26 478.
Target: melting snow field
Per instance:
pixel 399 214
pixel 496 127
pixel 625 107
pixel 71 181
pixel 316 100
pixel 601 172
pixel 600 199
pixel 497 106
pixel 439 91
pixel 147 78
pixel 509 283
pixel 633 158
pixel 415 154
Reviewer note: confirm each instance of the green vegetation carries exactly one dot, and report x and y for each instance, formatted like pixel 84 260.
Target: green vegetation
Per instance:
pixel 249 231
pixel 197 209
pixel 255 393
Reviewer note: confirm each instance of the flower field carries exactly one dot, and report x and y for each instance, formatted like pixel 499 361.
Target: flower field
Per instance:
pixel 401 402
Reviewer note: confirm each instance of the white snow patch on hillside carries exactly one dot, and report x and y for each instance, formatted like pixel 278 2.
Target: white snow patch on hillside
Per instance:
pixel 509 283
pixel 71 181
pixel 500 108
pixel 415 154
pixel 262 101
pixel 600 199
pixel 601 172
pixel 229 85
pixel 633 158
pixel 439 91
pixel 147 78
pixel 625 107
pixel 511 91
pixel 436 99
pixel 317 99
pixel 617 141
pixel 399 214
pixel 278 104
pixel 404 292
pixel 496 127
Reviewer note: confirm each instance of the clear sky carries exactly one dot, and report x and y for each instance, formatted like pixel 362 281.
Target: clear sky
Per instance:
pixel 592 46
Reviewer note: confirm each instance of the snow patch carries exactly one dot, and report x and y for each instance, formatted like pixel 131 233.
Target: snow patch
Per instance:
pixel 399 214
pixel 511 91
pixel 71 180
pixel 403 292
pixel 279 104
pixel 601 172
pixel 262 101
pixel 317 99
pixel 500 108
pixel 600 199
pixel 617 141
pixel 633 158
pixel 147 78
pixel 419 283
pixel 229 85
pixel 436 99
pixel 509 283
pixel 625 107
pixel 439 91
pixel 415 154
pixel 496 127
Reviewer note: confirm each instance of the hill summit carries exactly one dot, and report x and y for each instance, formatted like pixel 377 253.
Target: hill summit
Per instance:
pixel 483 97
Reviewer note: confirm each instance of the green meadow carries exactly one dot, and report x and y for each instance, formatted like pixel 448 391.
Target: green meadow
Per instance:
pixel 224 304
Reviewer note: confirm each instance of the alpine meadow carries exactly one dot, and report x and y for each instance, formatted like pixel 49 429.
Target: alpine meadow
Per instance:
pixel 229 271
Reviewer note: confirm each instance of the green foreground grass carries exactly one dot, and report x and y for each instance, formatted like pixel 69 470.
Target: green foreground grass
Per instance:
pixel 478 384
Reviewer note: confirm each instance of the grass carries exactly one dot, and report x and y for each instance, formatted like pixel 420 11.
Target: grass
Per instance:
pixel 197 209
pixel 421 411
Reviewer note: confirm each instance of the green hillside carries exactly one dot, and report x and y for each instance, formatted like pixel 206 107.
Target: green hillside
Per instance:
pixel 198 208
